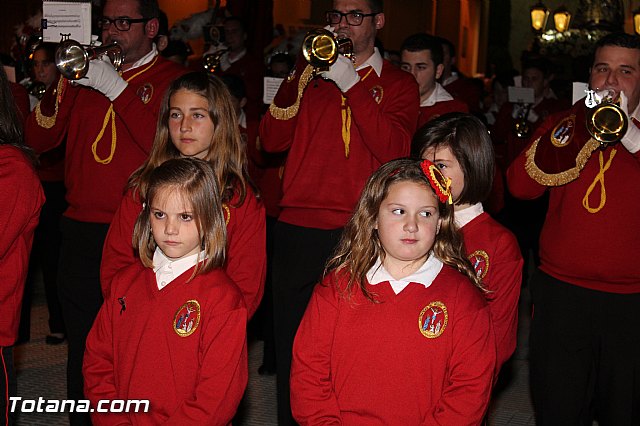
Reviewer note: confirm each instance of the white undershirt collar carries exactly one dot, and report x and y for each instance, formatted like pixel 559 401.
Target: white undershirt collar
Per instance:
pixel 439 94
pixel 424 275
pixel 464 216
pixel 167 270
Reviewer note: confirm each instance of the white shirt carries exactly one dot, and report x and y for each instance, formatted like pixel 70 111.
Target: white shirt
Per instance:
pixel 439 94
pixel 146 58
pixel 167 269
pixel 464 216
pixel 374 61
pixel 424 275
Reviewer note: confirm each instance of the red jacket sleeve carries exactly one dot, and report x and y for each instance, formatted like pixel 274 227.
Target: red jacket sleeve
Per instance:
pixel 223 373
pixel 465 396
pixel 117 252
pixel 98 367
pixel 40 138
pixel 505 282
pixel 246 261
pixel 313 400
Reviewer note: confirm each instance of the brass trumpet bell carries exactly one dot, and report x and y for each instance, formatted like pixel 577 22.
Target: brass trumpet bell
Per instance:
pixel 211 62
pixel 321 48
pixel 607 123
pixel 72 59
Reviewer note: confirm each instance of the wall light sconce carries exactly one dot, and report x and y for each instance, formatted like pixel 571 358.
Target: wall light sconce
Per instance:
pixel 539 15
pixel 561 19
pixel 636 21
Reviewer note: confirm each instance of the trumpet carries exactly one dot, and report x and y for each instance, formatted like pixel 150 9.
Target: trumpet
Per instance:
pixel 321 48
pixel 606 121
pixel 72 59
pixel 37 89
pixel 211 62
pixel 521 126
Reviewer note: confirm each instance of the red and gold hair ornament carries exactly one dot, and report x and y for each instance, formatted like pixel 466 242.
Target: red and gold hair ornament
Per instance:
pixel 440 184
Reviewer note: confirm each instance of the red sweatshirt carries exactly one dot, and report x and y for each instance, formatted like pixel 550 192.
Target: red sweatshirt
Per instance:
pixel 362 363
pixel 599 250
pixel 94 190
pixel 21 198
pixel 495 254
pixel 321 183
pixel 188 359
pixel 246 247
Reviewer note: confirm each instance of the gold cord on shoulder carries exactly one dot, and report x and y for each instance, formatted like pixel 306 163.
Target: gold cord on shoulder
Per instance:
pixel 45 121
pixel 291 111
pixel 557 179
pixel 599 179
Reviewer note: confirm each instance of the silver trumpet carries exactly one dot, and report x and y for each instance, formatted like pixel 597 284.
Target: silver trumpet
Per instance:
pixel 72 59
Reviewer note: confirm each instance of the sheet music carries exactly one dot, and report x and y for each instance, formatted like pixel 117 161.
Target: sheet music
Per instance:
pixel 66 17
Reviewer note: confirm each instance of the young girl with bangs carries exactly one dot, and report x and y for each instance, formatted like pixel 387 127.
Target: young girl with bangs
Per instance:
pixel 459 144
pixel 398 332
pixel 172 330
pixel 197 119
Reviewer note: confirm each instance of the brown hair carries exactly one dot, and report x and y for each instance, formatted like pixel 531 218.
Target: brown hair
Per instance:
pixel 470 143
pixel 227 154
pixel 360 246
pixel 194 181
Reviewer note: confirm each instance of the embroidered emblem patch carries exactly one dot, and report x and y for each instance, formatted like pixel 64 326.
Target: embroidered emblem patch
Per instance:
pixel 187 318
pixel 480 261
pixel 145 92
pixel 562 134
pixel 227 214
pixel 377 92
pixel 433 320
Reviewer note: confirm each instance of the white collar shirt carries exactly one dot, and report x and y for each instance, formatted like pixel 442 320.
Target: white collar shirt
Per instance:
pixel 167 270
pixel 424 275
pixel 462 217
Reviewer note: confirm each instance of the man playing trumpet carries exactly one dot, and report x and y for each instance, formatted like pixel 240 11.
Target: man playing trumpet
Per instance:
pixel 108 122
pixel 585 346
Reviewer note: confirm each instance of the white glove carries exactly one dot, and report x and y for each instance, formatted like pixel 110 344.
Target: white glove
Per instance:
pixel 103 77
pixel 533 116
pixel 343 73
pixel 631 139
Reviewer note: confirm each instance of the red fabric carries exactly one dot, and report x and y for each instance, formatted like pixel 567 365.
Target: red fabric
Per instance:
pixel 246 252
pixel 21 97
pixel 135 353
pixel 265 169
pixel 358 362
pixel 503 278
pixel 21 198
pixel 509 145
pixel 321 186
pixel 428 113
pixel 465 90
pixel 94 190
pixel 592 250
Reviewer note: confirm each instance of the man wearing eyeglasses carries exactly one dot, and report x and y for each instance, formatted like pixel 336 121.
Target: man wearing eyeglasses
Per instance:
pixel 108 121
pixel 350 120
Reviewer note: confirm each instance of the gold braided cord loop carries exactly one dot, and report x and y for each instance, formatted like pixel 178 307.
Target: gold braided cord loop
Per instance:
pixel 557 179
pixel 599 179
pixel 346 126
pixel 291 111
pixel 111 115
pixel 45 121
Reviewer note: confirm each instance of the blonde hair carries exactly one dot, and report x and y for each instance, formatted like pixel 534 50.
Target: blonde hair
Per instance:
pixel 227 153
pixel 360 246
pixel 194 181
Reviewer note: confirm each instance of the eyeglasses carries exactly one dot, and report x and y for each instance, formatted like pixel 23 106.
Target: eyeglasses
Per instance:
pixel 353 18
pixel 122 24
